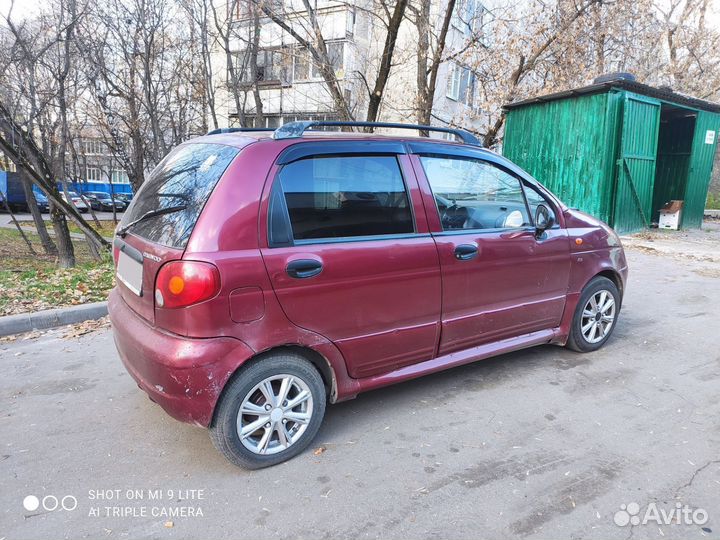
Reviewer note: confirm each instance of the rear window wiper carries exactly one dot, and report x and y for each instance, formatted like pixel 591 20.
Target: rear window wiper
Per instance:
pixel 122 231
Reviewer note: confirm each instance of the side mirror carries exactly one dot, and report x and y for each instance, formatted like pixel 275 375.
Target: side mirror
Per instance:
pixel 544 218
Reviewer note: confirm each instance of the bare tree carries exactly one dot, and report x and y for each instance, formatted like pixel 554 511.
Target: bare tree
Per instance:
pixel 137 59
pixel 34 118
pixel 430 56
pixel 386 59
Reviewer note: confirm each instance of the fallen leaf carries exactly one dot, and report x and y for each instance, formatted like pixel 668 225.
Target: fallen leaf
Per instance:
pixel 319 450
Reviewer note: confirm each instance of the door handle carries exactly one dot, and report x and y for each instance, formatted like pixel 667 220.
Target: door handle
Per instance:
pixel 465 252
pixel 303 268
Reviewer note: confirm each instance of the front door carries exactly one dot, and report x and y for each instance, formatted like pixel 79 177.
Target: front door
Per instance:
pixel 499 279
pixel 355 266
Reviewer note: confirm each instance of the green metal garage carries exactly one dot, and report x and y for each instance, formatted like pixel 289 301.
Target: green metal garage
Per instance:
pixel 618 149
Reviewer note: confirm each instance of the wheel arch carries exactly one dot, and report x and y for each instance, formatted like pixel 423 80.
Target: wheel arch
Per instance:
pixel 613 276
pixel 314 357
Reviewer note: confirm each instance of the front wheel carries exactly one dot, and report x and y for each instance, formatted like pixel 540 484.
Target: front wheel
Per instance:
pixel 595 315
pixel 270 412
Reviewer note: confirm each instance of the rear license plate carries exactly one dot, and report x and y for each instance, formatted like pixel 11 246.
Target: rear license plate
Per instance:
pixel 130 272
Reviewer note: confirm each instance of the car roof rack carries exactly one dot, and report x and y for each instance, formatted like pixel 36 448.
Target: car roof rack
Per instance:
pixel 237 130
pixel 293 130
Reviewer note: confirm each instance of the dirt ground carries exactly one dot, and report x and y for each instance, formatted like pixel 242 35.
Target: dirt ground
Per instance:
pixel 701 245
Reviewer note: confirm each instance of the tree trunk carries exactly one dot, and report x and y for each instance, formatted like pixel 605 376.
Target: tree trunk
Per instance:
pixel 66 250
pixel 48 245
pixel 255 48
pixel 424 107
pixel 386 61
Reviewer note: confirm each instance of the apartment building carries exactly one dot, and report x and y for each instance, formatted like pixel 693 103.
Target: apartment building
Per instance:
pixel 290 85
pixel 92 167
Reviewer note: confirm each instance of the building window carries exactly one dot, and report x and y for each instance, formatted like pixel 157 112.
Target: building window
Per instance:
pixel 92 174
pixel 273 65
pixel 461 84
pixel 301 65
pixel 467 87
pixel 336 53
pixel 350 23
pixel 119 176
pixel 94 147
pixel 453 81
pixel 469 17
pixel 242 11
pixel 305 67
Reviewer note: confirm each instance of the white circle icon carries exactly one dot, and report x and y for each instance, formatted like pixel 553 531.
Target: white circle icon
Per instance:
pixel 621 518
pixel 628 514
pixel 31 503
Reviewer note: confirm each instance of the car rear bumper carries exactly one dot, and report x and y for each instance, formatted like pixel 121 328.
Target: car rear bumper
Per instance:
pixel 184 376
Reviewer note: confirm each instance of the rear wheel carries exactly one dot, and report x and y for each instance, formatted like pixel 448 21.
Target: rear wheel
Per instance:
pixel 270 412
pixel 595 315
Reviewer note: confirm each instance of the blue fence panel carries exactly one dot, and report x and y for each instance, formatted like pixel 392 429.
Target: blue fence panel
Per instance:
pixel 98 186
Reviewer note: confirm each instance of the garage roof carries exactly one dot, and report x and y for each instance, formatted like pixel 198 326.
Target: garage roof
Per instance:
pixel 664 94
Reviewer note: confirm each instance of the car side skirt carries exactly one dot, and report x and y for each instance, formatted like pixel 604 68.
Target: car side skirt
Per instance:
pixel 459 358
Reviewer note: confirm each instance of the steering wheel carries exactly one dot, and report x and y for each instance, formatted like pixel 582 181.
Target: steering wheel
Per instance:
pixel 454 217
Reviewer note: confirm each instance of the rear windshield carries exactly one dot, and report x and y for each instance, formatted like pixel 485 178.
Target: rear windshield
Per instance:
pixel 186 177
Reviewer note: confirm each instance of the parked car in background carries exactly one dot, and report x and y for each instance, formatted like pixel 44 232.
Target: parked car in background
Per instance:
pixel 42 202
pixel 12 192
pixel 125 197
pixel 76 200
pixel 346 262
pixel 102 201
pixel 120 203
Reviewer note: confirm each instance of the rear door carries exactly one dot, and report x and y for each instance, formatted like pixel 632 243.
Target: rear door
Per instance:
pixel 180 186
pixel 349 253
pixel 636 163
pixel 499 279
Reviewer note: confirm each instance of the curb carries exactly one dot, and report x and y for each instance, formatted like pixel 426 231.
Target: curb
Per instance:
pixel 42 320
pixel 712 213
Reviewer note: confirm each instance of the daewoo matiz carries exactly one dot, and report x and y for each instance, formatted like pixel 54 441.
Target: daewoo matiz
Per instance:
pixel 263 275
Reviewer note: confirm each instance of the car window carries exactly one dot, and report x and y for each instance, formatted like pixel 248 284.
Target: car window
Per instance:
pixel 337 197
pixel 185 178
pixel 474 194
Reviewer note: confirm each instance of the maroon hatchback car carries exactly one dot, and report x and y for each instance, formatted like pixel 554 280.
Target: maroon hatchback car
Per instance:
pixel 262 275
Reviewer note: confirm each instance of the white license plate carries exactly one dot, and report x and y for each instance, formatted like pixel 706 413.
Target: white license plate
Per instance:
pixel 130 272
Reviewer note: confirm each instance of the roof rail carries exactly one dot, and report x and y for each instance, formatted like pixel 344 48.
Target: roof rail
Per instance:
pixel 293 130
pixel 236 130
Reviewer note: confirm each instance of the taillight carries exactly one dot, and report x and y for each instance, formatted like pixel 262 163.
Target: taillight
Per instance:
pixel 116 254
pixel 184 283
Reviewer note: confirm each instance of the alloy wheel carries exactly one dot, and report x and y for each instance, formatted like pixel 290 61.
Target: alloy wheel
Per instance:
pixel 274 414
pixel 598 316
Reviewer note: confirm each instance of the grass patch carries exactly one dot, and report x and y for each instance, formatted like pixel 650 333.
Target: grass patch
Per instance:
pixel 34 282
pixel 106 228
pixel 713 201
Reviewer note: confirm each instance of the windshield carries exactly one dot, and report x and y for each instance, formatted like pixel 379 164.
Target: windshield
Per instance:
pixel 187 177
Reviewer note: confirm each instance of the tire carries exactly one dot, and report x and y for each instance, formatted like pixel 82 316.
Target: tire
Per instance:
pixel 592 340
pixel 303 379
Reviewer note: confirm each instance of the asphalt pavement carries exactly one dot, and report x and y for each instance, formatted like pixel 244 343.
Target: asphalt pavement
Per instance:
pixel 543 443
